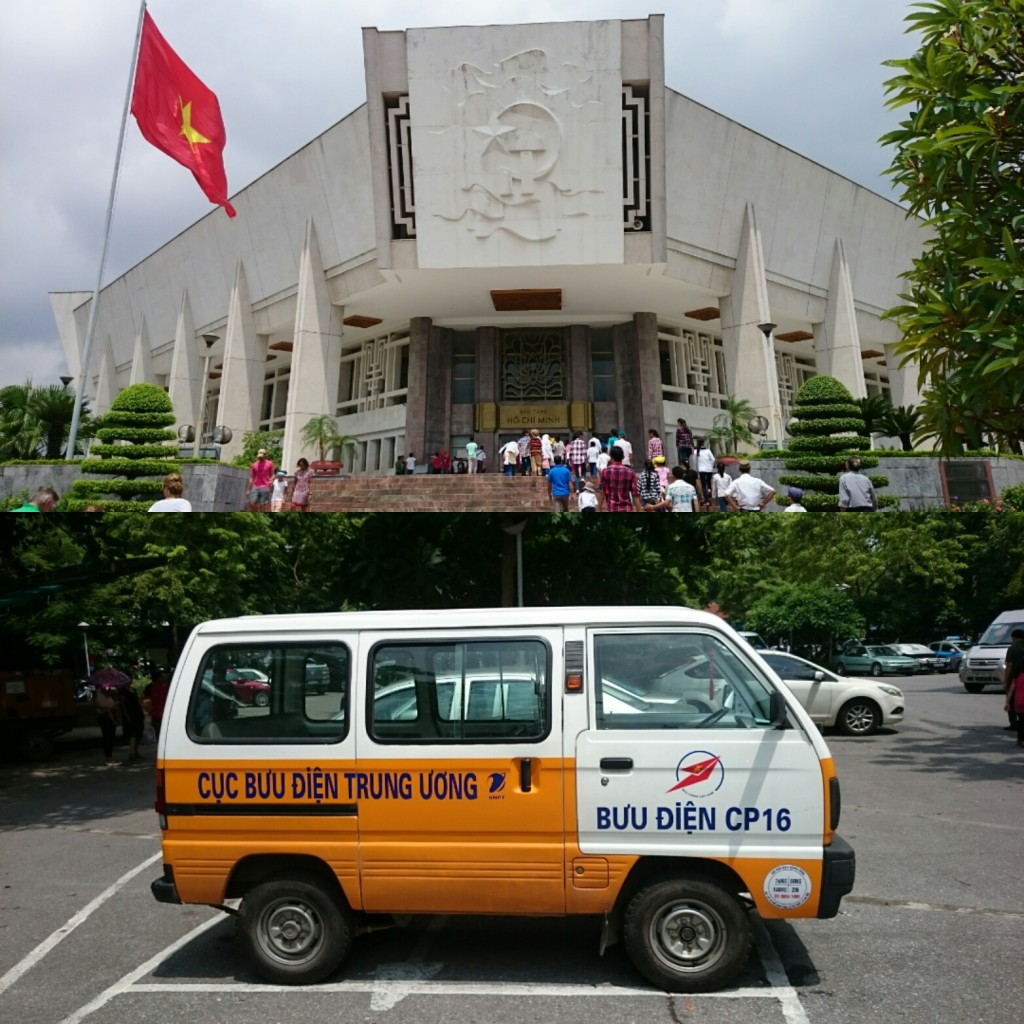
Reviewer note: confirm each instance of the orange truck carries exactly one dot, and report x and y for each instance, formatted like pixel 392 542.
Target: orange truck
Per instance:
pixel 37 707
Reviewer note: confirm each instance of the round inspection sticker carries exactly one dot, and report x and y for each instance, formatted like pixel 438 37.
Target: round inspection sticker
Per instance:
pixel 787 886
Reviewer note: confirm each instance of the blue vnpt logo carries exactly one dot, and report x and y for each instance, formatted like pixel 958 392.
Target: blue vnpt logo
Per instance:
pixel 495 783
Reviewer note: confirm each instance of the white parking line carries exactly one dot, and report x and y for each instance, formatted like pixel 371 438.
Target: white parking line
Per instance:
pixel 385 991
pixel 129 980
pixel 44 947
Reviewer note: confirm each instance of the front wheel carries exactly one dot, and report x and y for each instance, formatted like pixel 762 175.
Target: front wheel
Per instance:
pixel 840 669
pixel 686 935
pixel 876 669
pixel 261 699
pixel 294 932
pixel 859 718
pixel 974 687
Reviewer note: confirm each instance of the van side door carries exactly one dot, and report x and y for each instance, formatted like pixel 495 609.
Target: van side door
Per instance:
pixel 682 758
pixel 459 783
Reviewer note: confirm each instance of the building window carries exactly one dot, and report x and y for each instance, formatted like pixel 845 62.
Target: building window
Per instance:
pixel 602 364
pixel 636 158
pixel 374 374
pixel 464 367
pixel 275 399
pixel 692 367
pixel 793 372
pixel 533 365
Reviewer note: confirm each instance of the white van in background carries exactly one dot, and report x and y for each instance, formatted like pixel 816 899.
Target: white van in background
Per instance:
pixel 983 664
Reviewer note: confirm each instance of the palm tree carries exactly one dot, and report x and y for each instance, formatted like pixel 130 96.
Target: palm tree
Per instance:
pixel 21 434
pixel 322 433
pixel 730 425
pixel 874 409
pixel 54 407
pixel 902 421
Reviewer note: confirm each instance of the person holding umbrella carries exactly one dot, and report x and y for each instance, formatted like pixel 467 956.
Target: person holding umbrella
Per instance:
pixel 109 710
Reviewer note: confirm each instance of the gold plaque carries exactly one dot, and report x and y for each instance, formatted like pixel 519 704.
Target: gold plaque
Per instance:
pixel 485 417
pixel 549 416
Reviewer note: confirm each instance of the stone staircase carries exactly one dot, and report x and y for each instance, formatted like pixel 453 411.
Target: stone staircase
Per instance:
pixel 487 492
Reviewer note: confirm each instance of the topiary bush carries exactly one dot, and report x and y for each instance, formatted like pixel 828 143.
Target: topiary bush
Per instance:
pixel 136 444
pixel 826 429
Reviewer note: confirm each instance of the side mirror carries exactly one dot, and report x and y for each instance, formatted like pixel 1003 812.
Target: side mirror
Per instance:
pixel 777 711
pixel 819 676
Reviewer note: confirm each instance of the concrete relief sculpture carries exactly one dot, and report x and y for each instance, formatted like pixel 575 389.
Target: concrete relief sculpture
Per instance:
pixel 511 176
pixel 517 150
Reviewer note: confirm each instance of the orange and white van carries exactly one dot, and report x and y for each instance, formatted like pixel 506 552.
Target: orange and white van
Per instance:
pixel 639 765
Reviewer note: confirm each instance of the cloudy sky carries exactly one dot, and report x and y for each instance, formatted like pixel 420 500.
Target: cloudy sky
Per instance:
pixel 806 73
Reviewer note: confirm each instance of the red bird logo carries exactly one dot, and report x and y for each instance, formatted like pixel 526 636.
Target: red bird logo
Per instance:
pixel 699 771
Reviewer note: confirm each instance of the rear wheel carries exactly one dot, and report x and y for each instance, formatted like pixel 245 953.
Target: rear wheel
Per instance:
pixel 859 717
pixel 294 931
pixel 840 669
pixel 876 669
pixel 686 935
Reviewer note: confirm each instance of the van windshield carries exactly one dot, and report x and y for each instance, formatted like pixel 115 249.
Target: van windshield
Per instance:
pixel 998 634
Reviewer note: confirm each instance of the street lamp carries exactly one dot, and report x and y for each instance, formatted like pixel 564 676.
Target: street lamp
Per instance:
pixel 66 380
pixel 84 627
pixel 515 529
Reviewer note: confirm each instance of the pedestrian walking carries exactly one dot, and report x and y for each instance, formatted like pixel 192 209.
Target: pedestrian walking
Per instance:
pixel 278 489
pixel 655 445
pixel 257 488
pixel 509 458
pixel 705 468
pixel 577 458
pixel 172 501
pixel 108 717
pixel 684 443
pixel 524 453
pixel 299 496
pixel 594 449
pixel 721 482
pixel 481 459
pixel 681 495
pixel 618 485
pixel 560 485
pixel 749 493
pixel 856 491
pixel 471 447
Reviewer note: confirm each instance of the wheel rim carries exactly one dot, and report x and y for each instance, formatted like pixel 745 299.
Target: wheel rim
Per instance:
pixel 290 931
pixel 876 670
pixel 860 718
pixel 261 700
pixel 687 935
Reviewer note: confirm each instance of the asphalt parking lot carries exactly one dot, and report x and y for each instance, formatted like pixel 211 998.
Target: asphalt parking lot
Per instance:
pixel 932 931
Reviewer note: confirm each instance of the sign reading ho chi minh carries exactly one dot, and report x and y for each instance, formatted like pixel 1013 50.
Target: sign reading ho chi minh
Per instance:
pixel 549 416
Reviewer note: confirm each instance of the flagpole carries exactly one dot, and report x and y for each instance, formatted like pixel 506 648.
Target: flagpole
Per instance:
pixel 90 330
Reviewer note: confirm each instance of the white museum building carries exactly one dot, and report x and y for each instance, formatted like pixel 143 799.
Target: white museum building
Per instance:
pixel 522 226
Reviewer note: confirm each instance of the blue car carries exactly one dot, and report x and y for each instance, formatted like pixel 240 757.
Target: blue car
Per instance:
pixel 951 650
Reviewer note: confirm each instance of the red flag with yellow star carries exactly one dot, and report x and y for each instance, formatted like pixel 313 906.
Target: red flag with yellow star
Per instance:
pixel 179 115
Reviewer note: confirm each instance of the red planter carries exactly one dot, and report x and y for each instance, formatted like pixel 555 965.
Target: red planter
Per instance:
pixel 327 467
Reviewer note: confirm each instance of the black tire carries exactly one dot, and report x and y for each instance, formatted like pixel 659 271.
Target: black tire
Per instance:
pixel 859 717
pixel 974 687
pixel 876 669
pixel 294 931
pixel 840 669
pixel 686 935
pixel 261 698
pixel 35 746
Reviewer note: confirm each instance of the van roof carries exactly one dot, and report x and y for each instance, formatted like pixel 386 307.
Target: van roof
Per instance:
pixel 461 618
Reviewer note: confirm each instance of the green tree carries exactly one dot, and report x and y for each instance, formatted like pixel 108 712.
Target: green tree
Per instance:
pixel 730 425
pixel 34 421
pixel 902 421
pixel 958 160
pixel 827 428
pixel 812 617
pixel 136 447
pixel 322 433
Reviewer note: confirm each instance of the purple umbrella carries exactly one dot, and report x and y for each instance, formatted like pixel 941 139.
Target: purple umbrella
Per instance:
pixel 109 677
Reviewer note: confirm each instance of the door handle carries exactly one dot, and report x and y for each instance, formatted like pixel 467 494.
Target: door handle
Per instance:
pixel 526 774
pixel 616 764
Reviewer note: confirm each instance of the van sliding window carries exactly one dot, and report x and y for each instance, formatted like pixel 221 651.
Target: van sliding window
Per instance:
pixel 481 691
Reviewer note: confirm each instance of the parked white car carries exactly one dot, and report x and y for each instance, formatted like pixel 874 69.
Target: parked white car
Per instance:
pixel 857 707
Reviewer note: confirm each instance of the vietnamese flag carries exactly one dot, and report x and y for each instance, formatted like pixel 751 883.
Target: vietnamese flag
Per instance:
pixel 179 115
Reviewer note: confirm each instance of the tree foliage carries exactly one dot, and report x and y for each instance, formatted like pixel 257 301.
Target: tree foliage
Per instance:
pixel 959 161
pixel 34 421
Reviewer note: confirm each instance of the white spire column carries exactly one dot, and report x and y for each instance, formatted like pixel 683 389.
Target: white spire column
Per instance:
pixel 749 355
pixel 316 352
pixel 837 340
pixel 106 381
pixel 245 364
pixel 184 384
pixel 142 360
